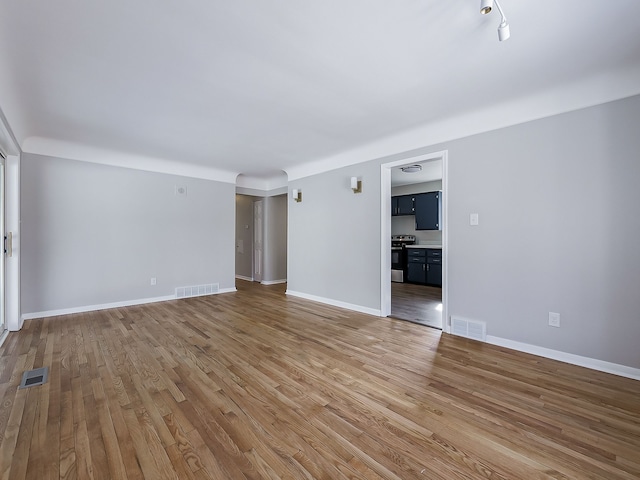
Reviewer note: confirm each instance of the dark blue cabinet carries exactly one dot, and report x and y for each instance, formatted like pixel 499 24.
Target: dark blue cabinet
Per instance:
pixel 424 266
pixel 416 265
pixel 434 267
pixel 402 205
pixel 434 274
pixel 428 209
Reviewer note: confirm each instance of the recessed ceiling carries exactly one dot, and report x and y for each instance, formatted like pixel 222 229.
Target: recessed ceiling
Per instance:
pixel 261 87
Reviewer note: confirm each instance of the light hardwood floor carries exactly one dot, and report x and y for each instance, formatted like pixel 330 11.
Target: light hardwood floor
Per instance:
pixel 254 385
pixel 417 303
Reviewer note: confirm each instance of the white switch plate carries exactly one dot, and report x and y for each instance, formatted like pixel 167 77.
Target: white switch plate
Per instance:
pixel 554 319
pixel 473 219
pixel 153 280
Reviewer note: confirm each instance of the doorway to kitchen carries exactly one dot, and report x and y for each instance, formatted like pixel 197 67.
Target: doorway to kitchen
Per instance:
pixel 414 230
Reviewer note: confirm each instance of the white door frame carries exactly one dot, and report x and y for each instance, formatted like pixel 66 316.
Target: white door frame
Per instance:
pixel 385 232
pixel 13 310
pixel 258 241
pixel 3 296
pixel 13 314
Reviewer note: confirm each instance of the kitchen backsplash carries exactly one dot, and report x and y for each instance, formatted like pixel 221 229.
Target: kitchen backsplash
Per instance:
pixel 406 225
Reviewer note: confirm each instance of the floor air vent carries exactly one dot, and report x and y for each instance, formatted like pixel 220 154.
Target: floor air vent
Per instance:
pixel 32 378
pixel 197 290
pixel 472 329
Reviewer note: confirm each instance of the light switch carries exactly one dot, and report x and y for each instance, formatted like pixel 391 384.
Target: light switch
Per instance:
pixel 473 219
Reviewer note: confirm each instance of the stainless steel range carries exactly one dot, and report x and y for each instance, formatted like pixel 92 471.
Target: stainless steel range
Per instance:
pixel 399 256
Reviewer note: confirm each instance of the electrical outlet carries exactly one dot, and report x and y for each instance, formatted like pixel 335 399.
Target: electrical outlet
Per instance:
pixel 153 280
pixel 554 319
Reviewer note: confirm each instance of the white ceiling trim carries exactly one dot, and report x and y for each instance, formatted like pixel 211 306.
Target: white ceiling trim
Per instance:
pixel 72 151
pixel 263 184
pixel 592 91
pixel 262 193
pixel 596 90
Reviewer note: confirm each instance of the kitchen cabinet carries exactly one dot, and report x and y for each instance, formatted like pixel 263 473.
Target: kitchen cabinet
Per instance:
pixel 402 205
pixel 416 272
pixel 434 267
pixel 434 274
pixel 428 211
pixel 416 265
pixel 424 266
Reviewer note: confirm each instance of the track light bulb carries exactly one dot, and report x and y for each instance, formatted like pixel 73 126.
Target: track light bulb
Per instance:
pixel 486 6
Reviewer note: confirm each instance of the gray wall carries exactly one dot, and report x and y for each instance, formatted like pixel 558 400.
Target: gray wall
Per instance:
pixel 406 224
pixel 334 236
pixel 558 231
pixel 559 227
pixel 244 235
pixel 275 239
pixel 95 234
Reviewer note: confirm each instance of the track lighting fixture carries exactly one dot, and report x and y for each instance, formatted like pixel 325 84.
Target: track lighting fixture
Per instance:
pixel 486 6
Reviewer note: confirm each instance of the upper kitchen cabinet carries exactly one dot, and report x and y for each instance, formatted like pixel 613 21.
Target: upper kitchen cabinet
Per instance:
pixel 428 210
pixel 402 205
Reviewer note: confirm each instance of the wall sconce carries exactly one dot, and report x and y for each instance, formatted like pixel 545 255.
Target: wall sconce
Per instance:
pixel 296 194
pixel 356 185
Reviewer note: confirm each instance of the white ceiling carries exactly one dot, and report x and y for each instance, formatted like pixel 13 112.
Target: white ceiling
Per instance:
pixel 261 86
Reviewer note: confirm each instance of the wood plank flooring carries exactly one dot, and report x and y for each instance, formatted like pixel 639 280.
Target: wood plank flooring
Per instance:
pixel 254 384
pixel 417 303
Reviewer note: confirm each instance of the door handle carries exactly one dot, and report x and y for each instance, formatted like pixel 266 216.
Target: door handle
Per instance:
pixel 8 244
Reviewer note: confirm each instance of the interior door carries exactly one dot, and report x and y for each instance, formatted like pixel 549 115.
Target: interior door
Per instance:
pixel 257 240
pixel 7 244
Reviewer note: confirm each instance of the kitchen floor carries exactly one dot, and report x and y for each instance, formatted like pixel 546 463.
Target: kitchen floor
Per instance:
pixel 417 303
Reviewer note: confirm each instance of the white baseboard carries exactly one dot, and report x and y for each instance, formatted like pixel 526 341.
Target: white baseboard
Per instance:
pixel 93 308
pixel 3 337
pixel 242 277
pixel 335 303
pixel 105 306
pixel 226 290
pixel 273 282
pixel 592 363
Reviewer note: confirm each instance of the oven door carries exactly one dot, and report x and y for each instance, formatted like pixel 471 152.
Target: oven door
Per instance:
pixel 397 258
pixel 397 264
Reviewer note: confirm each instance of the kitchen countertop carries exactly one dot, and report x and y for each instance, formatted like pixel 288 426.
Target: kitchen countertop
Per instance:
pixel 425 246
